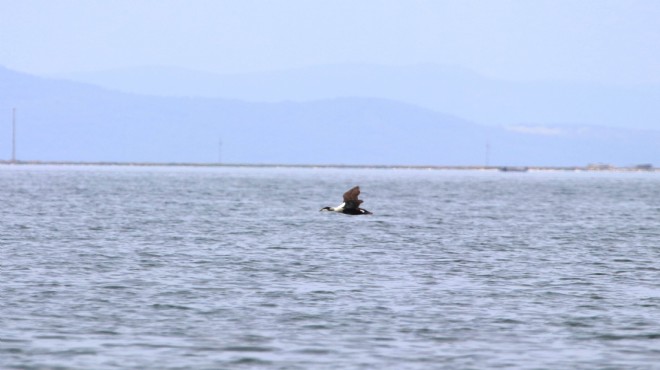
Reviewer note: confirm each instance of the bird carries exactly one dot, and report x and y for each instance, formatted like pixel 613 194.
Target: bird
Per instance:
pixel 351 205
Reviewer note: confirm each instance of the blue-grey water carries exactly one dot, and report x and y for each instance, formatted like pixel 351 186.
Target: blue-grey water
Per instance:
pixel 234 268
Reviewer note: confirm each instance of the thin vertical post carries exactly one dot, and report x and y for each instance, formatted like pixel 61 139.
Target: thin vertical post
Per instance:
pixel 13 136
pixel 487 153
pixel 220 151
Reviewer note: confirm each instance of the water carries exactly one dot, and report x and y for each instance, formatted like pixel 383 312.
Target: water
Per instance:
pixel 218 268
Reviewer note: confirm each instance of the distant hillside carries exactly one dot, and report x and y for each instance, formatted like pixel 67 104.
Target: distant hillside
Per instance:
pixel 62 120
pixel 440 88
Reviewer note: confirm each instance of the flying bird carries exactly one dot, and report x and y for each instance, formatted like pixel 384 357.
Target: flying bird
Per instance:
pixel 351 205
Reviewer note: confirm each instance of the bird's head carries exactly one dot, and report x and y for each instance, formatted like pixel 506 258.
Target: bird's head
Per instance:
pixel 325 209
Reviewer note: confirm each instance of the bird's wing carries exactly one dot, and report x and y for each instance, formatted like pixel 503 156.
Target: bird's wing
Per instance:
pixel 352 194
pixel 351 198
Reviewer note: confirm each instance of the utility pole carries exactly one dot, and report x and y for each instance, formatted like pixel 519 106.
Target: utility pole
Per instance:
pixel 13 136
pixel 487 152
pixel 220 151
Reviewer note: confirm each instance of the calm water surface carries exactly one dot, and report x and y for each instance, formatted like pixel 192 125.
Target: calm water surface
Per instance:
pixel 229 268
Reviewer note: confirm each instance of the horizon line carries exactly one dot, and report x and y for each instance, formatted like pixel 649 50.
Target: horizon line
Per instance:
pixel 594 167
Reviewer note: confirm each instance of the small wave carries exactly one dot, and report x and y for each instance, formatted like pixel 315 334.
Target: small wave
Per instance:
pixel 315 351
pixel 248 349
pixel 251 361
pixel 169 307
pixel 630 336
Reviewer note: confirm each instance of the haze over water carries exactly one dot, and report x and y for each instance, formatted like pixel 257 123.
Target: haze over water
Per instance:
pixel 230 268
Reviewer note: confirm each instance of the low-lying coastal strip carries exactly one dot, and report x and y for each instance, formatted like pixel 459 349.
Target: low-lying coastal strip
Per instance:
pixel 590 167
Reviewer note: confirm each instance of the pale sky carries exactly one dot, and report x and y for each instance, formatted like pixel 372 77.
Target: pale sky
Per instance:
pixel 605 41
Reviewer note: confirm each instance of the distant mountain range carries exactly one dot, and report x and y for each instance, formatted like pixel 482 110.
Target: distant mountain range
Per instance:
pixel 440 88
pixel 64 120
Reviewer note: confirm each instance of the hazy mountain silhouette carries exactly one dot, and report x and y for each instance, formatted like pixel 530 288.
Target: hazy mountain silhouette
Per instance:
pixel 445 89
pixel 63 120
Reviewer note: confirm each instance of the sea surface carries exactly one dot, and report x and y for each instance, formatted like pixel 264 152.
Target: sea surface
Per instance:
pixel 236 268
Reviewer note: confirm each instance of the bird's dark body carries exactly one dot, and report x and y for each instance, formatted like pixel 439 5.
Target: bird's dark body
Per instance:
pixel 355 211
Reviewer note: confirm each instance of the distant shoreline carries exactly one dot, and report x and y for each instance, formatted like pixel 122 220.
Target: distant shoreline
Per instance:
pixel 589 168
